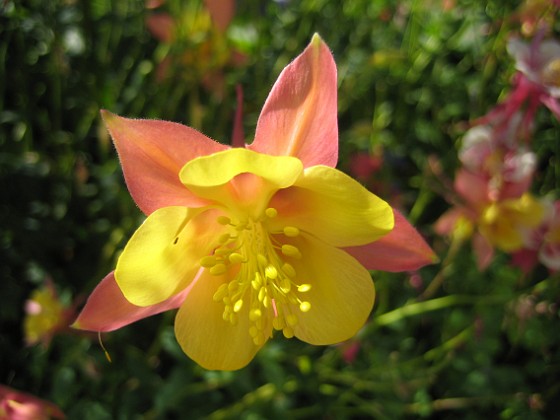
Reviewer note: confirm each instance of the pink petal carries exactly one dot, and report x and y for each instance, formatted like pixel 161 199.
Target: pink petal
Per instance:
pixel 162 26
pixel 17 405
pixel 299 117
pixel 221 11
pixel 483 250
pixel 107 309
pixel 552 104
pixel 447 221
pixel 152 153
pixel 403 249
pixel 511 190
pixel 472 187
pixel 153 4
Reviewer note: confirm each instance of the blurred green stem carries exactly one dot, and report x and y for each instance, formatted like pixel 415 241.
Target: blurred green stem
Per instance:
pixel 438 279
pixel 419 308
pixel 451 344
pixel 461 403
pixel 263 393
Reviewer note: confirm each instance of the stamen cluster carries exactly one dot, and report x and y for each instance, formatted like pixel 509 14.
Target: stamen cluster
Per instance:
pixel 262 278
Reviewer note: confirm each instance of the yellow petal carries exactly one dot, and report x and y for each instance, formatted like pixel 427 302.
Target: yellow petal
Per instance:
pixel 240 178
pixel 163 255
pixel 203 334
pixel 219 168
pixel 341 295
pixel 333 207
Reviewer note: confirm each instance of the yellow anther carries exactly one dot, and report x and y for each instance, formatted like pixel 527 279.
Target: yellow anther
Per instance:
pixel 271 212
pixel 267 302
pixel 222 251
pixel 240 227
pixel 220 293
pixel 288 332
pixel 224 237
pixel 233 319
pixel 224 220
pixel 262 260
pixel 291 231
pixel 255 314
pixel 262 294
pixel 291 319
pixel 304 306
pixel 238 305
pixel 271 272
pixel 236 258
pixel 218 269
pixel 290 251
pixel 208 261
pixel 304 288
pixel 289 270
pixel 256 283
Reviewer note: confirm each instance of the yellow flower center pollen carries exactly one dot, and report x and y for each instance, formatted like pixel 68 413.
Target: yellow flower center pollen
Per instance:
pixel 264 281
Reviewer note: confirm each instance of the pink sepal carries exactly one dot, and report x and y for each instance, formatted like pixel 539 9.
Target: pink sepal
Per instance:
pixel 152 153
pixel 299 117
pixel 403 249
pixel 107 309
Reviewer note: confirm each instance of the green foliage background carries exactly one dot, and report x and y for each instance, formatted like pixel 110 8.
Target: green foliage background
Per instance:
pixel 410 75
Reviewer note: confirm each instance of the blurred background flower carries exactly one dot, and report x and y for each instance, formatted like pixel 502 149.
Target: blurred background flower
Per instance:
pixel 195 46
pixel 45 315
pixel 16 405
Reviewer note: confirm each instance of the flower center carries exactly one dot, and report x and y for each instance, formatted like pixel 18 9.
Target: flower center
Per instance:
pixel 264 279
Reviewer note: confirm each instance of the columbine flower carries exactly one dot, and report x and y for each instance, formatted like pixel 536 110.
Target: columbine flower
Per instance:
pixel 536 83
pixel 45 315
pixel 17 405
pixel 195 42
pixel 502 222
pixel 493 219
pixel 247 241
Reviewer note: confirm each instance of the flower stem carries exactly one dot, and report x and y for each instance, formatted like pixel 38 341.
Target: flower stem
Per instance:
pixel 419 308
pixel 439 278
